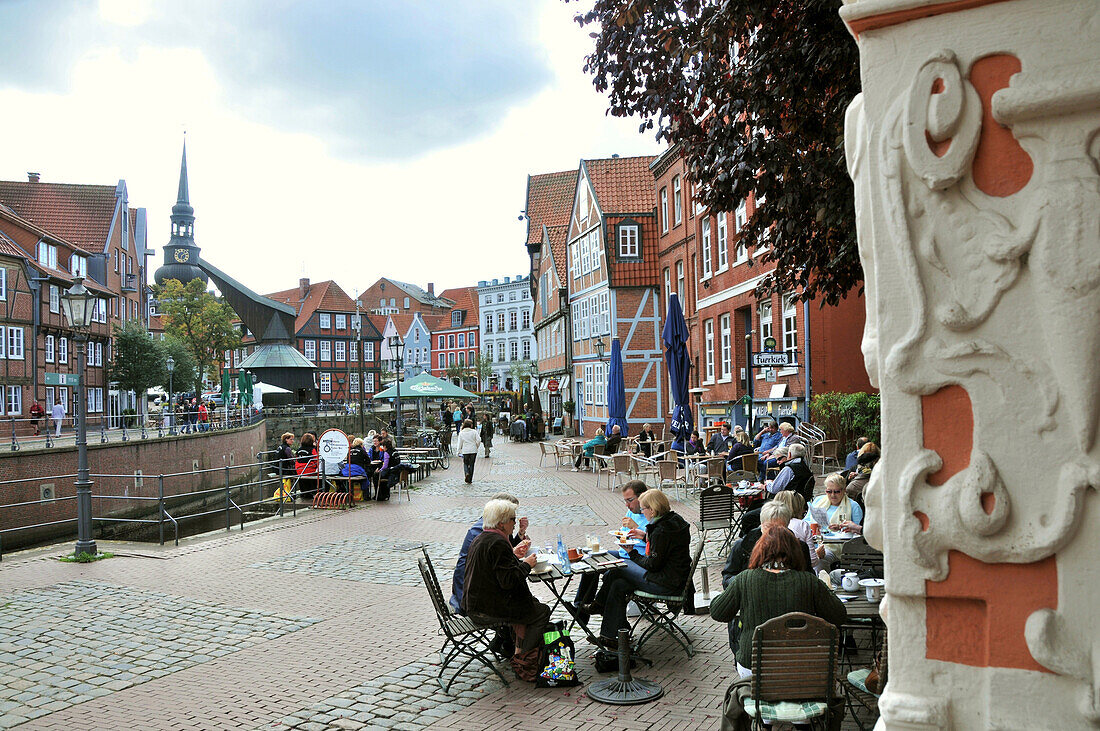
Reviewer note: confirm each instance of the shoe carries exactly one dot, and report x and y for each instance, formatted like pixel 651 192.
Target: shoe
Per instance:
pixel 605 643
pixel 583 614
pixel 576 469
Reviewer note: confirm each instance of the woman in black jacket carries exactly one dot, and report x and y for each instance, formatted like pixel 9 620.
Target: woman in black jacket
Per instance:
pixel 284 456
pixel 486 433
pixel 665 568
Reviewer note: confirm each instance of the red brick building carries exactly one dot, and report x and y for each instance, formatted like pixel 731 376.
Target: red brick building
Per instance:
pixel 549 205
pixel 456 338
pixel 702 259
pixel 392 297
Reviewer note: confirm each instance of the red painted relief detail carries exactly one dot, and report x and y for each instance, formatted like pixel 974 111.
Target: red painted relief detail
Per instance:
pixel 948 419
pixel 1001 167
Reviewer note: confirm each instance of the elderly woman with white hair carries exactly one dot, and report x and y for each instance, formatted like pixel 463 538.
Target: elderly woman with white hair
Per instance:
pixel 496 587
pixel 842 513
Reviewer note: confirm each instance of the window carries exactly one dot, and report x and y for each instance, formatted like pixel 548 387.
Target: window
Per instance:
pixel 527 350
pixel 588 383
pixel 500 296
pixel 512 296
pixel 597 250
pixel 461 340
pixel 442 361
pixel 605 312
pixel 790 324
pixel 500 352
pixel 99 354
pixel 450 359
pixel 354 383
pixel 628 241
pixel 512 320
pixel 706 247
pixel 677 202
pixel 393 302
pixel 4 287
pixel 680 281
pixel 63 350
pixel 586 256
pixel 764 315
pixel 341 322
pixel 664 213
pixel 15 343
pixel 488 322
pixel 49 398
pixel 442 342
pixel 582 201
pixel 15 399
pixel 353 351
pixel 450 341
pixel 368 383
pixel 78 264
pixel 381 301
pixel 326 383
pixel 668 285
pixel 471 357
pixel 47 254
pixel 456 318
pixel 326 350
pixel 727 353
pixel 708 351
pixel 115 252
pixel 129 265
pixel 309 349
pixel 722 241
pixel 472 340
pixel 341 351
pixel 406 303
pixel 544 296
pixel 461 358
pixel 49 349
pixel 585 325
pixel 527 319
pixel 103 310
pixel 325 320
pixel 500 322
pixel 741 217
pixel 368 351
pixel 574 260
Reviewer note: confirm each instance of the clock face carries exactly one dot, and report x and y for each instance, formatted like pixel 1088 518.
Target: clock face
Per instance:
pixel 180 255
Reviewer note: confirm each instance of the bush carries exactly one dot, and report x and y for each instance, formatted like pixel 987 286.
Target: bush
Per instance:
pixel 847 416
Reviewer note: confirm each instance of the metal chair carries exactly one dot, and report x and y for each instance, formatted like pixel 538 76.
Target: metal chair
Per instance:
pixel 861 701
pixel 748 463
pixel 860 557
pixel 793 668
pixel 463 637
pixel 547 449
pixel 669 473
pixel 643 467
pixel 826 453
pixel 616 465
pixel 714 475
pixel 661 610
pixel 718 513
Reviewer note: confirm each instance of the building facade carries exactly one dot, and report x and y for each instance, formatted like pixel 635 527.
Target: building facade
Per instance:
pixel 507 329
pixel 457 339
pixel 392 297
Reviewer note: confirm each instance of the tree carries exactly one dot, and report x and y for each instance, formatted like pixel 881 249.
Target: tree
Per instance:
pixel 184 371
pixel 137 364
pixel 455 372
pixel 519 370
pixel 754 92
pixel 483 369
pixel 202 322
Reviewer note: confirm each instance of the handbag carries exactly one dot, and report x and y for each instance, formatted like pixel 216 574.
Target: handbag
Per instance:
pixel 557 668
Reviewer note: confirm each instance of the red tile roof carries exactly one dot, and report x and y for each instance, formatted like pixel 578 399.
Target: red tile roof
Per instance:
pixel 78 213
pixel 465 298
pixel 402 321
pixel 435 323
pixel 622 184
pixel 8 248
pixel 327 296
pixel 634 273
pixel 559 245
pixel 549 201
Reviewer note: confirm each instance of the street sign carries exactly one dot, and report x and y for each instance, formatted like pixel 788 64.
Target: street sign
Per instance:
pixel 769 375
pixel 333 447
pixel 552 385
pixel 62 379
pixel 768 359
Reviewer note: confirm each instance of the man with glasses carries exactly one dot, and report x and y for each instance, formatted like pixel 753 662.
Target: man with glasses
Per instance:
pixel 634 518
pixel 795 475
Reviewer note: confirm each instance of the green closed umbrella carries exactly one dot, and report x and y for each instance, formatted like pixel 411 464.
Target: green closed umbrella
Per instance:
pixel 244 385
pixel 226 387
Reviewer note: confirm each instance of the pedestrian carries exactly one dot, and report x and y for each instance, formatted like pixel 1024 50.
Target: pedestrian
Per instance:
pixel 285 456
pixel 468 444
pixel 305 466
pixel 37 413
pixel 486 433
pixel 203 415
pixel 57 413
pixel 457 418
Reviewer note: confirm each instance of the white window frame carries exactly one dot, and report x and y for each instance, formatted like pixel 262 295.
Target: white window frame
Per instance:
pixel 704 237
pixel 309 350
pixel 341 322
pixel 680 282
pixel 15 343
pixel 353 382
pixel 341 351
pixel 628 241
pixel 49 348
pixel 326 383
pixel 588 392
pixel 605 312
pixel 668 285
pixel 4 286
pixel 586 330
pixel 677 202
pixel 513 350
pixel 353 351
pixel 368 351
pixel 442 361
pixel 63 350
pixel 326 351
pixel 740 217
pixel 324 321
pixel 725 341
pixel 586 255
pixel 369 383
pixel 764 318
pixel 526 320
pixel 500 352
pixel 790 324
pixel 597 250
pixel 722 239
pixel 489 322
pixel 13 400
pixel 527 350
pixel 708 351
pixel 55 298
pixel 664 210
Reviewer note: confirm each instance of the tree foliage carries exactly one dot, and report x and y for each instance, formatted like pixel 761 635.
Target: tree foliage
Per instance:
pixel 482 367
pixel 848 416
pixel 137 363
pixel 199 320
pixel 185 371
pixel 754 92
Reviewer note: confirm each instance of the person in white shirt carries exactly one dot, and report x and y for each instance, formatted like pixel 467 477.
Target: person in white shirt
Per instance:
pixel 57 413
pixel 468 444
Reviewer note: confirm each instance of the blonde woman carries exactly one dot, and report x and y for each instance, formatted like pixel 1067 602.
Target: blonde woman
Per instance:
pixel 801 529
pixel 843 513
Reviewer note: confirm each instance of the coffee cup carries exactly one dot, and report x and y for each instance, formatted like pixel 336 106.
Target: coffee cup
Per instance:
pixel 874 589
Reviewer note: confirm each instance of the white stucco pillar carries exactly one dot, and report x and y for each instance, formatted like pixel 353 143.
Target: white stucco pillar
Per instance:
pixel 975 150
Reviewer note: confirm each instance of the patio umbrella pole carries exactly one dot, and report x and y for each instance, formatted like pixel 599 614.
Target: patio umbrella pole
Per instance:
pixel 624 690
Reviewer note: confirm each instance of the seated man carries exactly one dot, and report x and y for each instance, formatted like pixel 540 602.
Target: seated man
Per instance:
pixel 765 441
pixel 634 518
pixel 795 475
pixel 666 568
pixel 787 438
pixel 614 440
pixel 850 462
pixel 497 590
pixel 722 442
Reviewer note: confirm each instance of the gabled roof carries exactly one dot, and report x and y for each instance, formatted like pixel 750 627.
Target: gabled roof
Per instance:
pixel 9 248
pixel 420 295
pixel 549 201
pixel 8 214
pixel 559 244
pixel 465 299
pixel 622 184
pixel 402 322
pixel 326 296
pixel 436 322
pixel 75 212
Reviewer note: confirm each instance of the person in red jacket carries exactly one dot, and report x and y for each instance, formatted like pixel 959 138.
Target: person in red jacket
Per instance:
pixel 305 465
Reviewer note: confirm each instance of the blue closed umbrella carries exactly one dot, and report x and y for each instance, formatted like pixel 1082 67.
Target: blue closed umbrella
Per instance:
pixel 675 336
pixel 616 391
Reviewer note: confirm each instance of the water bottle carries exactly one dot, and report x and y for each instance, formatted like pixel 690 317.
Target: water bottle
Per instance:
pixel 563 557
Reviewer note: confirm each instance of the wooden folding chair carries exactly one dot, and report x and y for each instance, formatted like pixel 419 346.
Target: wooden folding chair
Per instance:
pixel 661 610
pixel 793 668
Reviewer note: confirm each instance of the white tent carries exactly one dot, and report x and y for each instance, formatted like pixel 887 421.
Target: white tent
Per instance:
pixel 261 389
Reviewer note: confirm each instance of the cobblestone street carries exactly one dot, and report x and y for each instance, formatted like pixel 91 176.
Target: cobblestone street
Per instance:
pixel 314 622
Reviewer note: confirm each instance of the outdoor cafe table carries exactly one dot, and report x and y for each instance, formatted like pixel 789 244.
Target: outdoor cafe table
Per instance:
pixel 588 564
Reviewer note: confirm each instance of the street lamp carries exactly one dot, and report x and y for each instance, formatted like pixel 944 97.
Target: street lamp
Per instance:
pixel 357 325
pixel 600 346
pixel 78 306
pixel 396 348
pixel 171 363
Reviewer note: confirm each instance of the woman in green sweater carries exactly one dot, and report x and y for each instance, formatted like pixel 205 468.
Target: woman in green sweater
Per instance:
pixel 775 583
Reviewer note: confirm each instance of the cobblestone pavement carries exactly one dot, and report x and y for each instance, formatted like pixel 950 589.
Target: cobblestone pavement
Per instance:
pixel 316 622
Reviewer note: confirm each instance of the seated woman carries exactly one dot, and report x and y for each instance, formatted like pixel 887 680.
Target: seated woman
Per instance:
pixel 694 444
pixel 645 440
pixel 305 466
pixel 597 441
pixel 664 569
pixel 742 445
pixel 389 471
pixel 357 465
pixel 843 513
pixel 774 584
pixel 496 588
pixel 798 525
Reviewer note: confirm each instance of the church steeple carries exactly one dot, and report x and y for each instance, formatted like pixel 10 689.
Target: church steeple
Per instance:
pixel 181 254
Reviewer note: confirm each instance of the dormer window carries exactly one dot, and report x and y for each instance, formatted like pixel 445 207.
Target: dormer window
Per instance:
pixel 78 265
pixel 456 318
pixel 629 235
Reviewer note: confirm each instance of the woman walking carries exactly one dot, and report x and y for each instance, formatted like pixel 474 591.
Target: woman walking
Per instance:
pixel 486 433
pixel 468 444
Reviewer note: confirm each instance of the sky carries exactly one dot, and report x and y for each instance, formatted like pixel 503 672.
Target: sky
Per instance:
pixel 330 139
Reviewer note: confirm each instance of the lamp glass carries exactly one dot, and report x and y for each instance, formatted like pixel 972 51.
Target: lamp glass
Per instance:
pixel 77 305
pixel 171 363
pixel 600 346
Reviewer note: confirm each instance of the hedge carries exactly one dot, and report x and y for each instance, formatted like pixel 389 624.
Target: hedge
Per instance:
pixel 846 417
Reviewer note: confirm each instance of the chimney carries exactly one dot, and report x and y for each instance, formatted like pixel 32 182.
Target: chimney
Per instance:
pixel 303 288
pixel 615 156
pixel 33 177
pixel 431 287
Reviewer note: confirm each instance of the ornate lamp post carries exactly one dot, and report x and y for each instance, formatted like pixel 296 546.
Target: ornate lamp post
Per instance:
pixel 397 345
pixel 357 325
pixel 600 347
pixel 78 306
pixel 171 363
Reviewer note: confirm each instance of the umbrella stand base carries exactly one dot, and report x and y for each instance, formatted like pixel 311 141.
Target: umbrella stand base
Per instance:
pixel 624 690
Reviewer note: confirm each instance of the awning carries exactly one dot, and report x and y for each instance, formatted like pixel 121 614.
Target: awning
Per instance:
pixel 426 386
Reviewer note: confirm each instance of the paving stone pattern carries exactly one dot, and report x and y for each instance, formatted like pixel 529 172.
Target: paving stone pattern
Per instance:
pixel 528 487
pixel 510 467
pixel 373 559
pixel 550 515
pixel 71 642
pixel 406 698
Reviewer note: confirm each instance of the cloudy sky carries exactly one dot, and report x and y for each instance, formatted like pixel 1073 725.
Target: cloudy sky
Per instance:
pixel 342 139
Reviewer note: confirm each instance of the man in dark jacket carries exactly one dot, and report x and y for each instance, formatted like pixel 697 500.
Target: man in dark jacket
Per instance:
pixel 665 569
pixel 796 474
pixel 614 440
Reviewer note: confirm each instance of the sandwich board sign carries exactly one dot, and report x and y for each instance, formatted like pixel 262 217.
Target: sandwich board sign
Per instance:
pixel 333 447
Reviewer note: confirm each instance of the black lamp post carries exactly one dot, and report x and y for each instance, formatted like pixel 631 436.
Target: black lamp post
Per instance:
pixel 357 325
pixel 396 347
pixel 171 363
pixel 78 305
